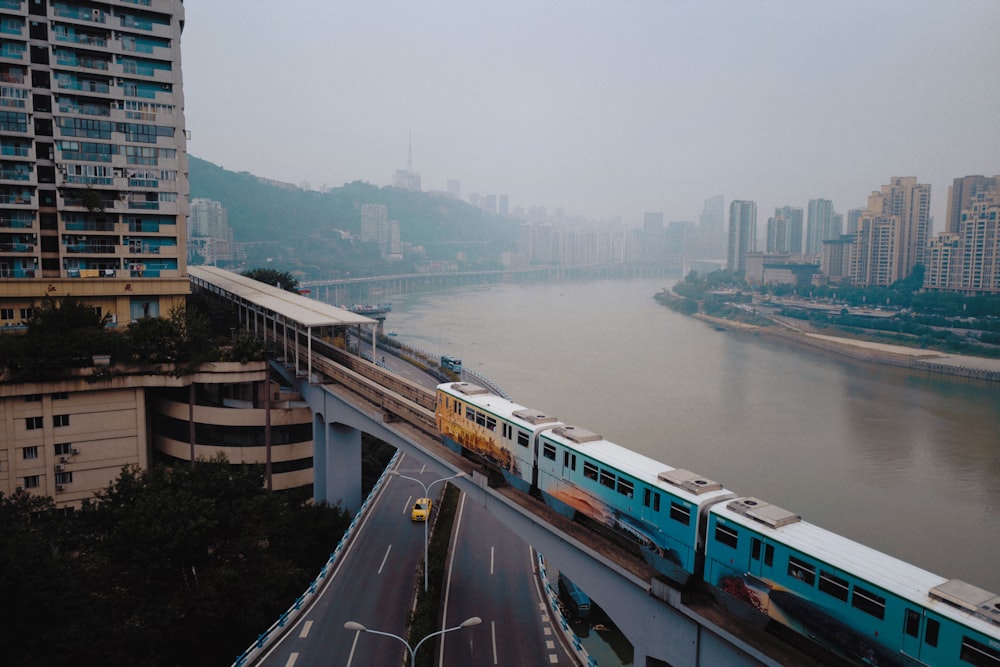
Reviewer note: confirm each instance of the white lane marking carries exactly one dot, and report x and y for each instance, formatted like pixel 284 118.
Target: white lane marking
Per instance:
pixel 384 558
pixel 406 505
pixel 553 659
pixel 305 629
pixel 546 631
pixel 491 560
pixel 451 564
pixel 550 644
pixel 291 660
pixel 493 631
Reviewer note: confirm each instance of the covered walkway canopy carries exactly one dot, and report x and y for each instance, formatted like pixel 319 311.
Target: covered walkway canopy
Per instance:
pixel 260 303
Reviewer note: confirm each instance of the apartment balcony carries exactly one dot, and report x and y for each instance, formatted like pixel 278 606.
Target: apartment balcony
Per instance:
pixel 16 4
pixel 13 151
pixel 10 173
pixel 144 25
pixel 78 14
pixel 92 248
pixel 7 272
pixel 13 51
pixel 88 86
pixel 18 199
pixel 10 220
pixel 16 247
pixel 70 59
pixel 99 40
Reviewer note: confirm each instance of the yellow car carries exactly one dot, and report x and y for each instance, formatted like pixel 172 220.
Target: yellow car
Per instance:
pixel 421 509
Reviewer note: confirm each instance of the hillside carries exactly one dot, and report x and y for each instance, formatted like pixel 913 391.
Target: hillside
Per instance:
pixel 300 229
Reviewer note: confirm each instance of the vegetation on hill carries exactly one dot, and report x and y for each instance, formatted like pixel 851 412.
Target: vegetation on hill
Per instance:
pixel 177 565
pixel 315 234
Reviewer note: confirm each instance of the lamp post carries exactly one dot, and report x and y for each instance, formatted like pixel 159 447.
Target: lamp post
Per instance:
pixel 357 627
pixel 427 494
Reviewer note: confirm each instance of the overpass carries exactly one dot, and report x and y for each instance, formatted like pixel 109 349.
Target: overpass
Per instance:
pixel 349 396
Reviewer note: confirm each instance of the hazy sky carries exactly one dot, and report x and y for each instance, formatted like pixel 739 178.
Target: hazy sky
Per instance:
pixel 605 109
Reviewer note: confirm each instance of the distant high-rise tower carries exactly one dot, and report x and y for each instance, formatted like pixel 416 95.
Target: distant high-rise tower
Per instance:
pixel 820 225
pixel 961 193
pixel 374 222
pixel 654 236
pixel 892 233
pixel 407 178
pixel 784 231
pixel 504 205
pixel 93 180
pixel 742 234
pixel 712 228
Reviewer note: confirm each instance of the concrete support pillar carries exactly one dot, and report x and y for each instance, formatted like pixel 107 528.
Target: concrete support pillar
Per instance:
pixel 337 464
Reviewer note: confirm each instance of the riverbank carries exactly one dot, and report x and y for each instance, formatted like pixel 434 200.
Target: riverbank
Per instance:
pixel 931 361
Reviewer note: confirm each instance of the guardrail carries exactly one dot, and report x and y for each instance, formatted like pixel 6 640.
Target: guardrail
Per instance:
pixel 552 597
pixel 303 602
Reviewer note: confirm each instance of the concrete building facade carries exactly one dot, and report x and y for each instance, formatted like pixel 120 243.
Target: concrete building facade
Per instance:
pixel 93 175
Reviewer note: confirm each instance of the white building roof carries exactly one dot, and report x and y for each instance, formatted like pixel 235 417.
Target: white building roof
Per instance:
pixel 292 307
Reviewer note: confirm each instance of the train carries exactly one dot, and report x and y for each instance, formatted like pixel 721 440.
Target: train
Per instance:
pixel 760 561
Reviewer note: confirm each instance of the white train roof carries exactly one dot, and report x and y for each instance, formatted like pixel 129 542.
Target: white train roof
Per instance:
pixel 528 418
pixel 970 605
pixel 682 483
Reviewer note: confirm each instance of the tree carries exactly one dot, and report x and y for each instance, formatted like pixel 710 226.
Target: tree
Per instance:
pixel 275 278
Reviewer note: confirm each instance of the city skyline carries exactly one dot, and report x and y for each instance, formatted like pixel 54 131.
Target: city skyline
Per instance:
pixel 607 110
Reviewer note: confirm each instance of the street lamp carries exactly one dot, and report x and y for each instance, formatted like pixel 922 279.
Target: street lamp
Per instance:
pixel 357 627
pixel 427 494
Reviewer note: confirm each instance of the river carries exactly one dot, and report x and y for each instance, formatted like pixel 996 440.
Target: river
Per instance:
pixel 905 462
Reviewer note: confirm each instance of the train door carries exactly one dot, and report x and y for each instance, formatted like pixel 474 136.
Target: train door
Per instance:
pixel 569 464
pixel 921 636
pixel 761 558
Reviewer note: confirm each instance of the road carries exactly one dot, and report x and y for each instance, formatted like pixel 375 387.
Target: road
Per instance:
pixel 492 575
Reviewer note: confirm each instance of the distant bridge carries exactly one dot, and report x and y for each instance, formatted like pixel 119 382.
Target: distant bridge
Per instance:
pixel 345 290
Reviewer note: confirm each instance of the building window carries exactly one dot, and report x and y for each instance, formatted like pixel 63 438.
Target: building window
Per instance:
pixel 6 313
pixel 31 482
pixel 30 452
pixel 60 396
pixel 64 477
pixel 33 398
pixel 63 448
pixel 60 420
pixel 26 313
pixel 33 423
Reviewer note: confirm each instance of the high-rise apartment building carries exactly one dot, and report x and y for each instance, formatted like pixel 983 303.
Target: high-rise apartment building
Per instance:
pixel 93 169
pixel 892 232
pixel 820 225
pixel 968 260
pixel 209 233
pixel 784 231
pixel 961 193
pixel 742 234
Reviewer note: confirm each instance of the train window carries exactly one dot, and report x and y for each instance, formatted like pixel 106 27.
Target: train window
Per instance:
pixel 911 624
pixel 522 438
pixel 480 419
pixel 726 535
pixel 491 423
pixel 833 585
pixel 569 460
pixel 589 470
pixel 549 452
pixel 608 479
pixel 470 414
pixel 870 603
pixel 768 554
pixel 979 654
pixel 645 497
pixel 755 545
pixel 625 488
pixel 458 408
pixel 680 513
pixel 931 633
pixel 656 502
pixel 801 570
